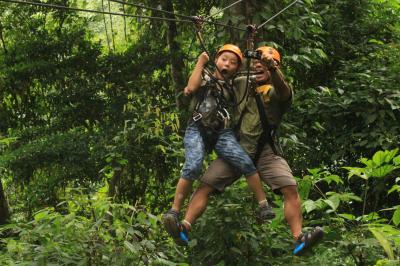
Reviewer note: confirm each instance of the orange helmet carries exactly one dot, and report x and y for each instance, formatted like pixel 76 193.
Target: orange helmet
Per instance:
pixel 269 50
pixel 231 48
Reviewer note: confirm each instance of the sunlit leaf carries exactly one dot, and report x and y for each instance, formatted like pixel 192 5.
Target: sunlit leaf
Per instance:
pixel 396 216
pixel 347 216
pixel 335 178
pixel 309 205
pixel 382 170
pixel 379 158
pixel 357 171
pixel 333 202
pixel 396 160
pixel 383 241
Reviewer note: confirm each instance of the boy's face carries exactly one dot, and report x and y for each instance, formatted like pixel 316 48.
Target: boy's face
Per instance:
pixel 227 63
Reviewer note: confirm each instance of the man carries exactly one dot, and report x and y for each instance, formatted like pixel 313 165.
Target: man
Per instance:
pixel 259 116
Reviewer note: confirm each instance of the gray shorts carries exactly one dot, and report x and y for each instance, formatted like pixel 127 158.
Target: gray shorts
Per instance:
pixel 273 170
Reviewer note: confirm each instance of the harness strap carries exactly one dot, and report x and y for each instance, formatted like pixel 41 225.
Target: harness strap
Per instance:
pixel 209 136
pixel 268 130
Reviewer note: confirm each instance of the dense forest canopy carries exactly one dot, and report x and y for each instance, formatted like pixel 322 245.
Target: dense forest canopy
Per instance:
pixel 92 117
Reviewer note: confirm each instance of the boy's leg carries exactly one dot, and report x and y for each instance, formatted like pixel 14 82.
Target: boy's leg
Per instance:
pixel 183 188
pixel 228 148
pixel 254 183
pixel 194 156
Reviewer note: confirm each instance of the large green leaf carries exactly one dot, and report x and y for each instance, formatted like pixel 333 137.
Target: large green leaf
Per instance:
pixel 309 205
pixel 383 241
pixel 396 216
pixel 357 171
pixel 382 171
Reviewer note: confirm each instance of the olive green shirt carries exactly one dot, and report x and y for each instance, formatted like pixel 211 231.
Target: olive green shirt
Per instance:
pixel 251 127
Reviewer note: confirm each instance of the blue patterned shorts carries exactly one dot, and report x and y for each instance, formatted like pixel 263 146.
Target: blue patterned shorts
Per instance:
pixel 227 147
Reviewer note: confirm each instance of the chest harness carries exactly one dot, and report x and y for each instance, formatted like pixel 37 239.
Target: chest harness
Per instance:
pixel 211 111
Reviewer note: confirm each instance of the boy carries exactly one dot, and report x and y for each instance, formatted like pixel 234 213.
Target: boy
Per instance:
pixel 210 128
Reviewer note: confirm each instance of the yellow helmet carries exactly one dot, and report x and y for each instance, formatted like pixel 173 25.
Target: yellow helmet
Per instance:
pixel 269 50
pixel 231 48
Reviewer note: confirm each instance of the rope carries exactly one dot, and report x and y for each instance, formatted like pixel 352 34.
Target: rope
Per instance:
pixel 277 14
pixel 60 7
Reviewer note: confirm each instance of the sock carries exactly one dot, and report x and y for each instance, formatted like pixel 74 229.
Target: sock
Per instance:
pixel 187 225
pixel 175 211
pixel 296 238
pixel 263 203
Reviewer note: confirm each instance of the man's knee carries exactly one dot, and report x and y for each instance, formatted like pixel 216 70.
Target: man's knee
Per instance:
pixel 203 191
pixel 290 193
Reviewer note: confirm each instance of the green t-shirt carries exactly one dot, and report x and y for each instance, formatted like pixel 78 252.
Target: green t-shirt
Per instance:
pixel 251 127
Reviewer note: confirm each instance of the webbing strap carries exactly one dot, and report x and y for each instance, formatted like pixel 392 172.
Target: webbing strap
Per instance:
pixel 266 136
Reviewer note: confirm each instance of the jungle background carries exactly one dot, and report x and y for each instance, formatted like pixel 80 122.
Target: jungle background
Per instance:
pixel 92 119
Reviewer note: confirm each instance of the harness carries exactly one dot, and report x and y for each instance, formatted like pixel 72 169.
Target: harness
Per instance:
pixel 211 113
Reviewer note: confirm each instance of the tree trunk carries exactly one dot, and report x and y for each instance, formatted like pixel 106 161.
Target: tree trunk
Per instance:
pixel 105 25
pixel 4 210
pixel 177 64
pixel 111 25
pixel 2 39
pixel 113 184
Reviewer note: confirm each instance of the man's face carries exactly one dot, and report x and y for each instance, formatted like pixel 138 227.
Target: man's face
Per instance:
pixel 227 63
pixel 262 73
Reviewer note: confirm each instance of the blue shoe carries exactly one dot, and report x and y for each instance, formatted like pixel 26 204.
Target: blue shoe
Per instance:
pixel 306 241
pixel 175 229
pixel 183 236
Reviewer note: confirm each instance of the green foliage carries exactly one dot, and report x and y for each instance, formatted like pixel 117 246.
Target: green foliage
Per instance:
pixel 88 101
pixel 229 226
pixel 87 231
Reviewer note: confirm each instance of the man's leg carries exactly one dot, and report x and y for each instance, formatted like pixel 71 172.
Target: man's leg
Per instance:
pixel 275 171
pixel 292 209
pixel 197 204
pixel 218 175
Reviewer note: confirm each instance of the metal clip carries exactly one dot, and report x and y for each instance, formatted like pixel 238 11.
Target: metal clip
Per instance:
pixel 224 115
pixel 197 117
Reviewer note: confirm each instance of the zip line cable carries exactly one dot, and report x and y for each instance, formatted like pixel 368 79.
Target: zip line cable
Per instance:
pixel 60 7
pixel 222 10
pixel 179 15
pixel 188 19
pixel 274 16
pixel 150 8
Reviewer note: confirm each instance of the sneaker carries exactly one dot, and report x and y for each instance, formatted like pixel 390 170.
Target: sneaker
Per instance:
pixel 183 239
pixel 308 240
pixel 265 213
pixel 174 228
